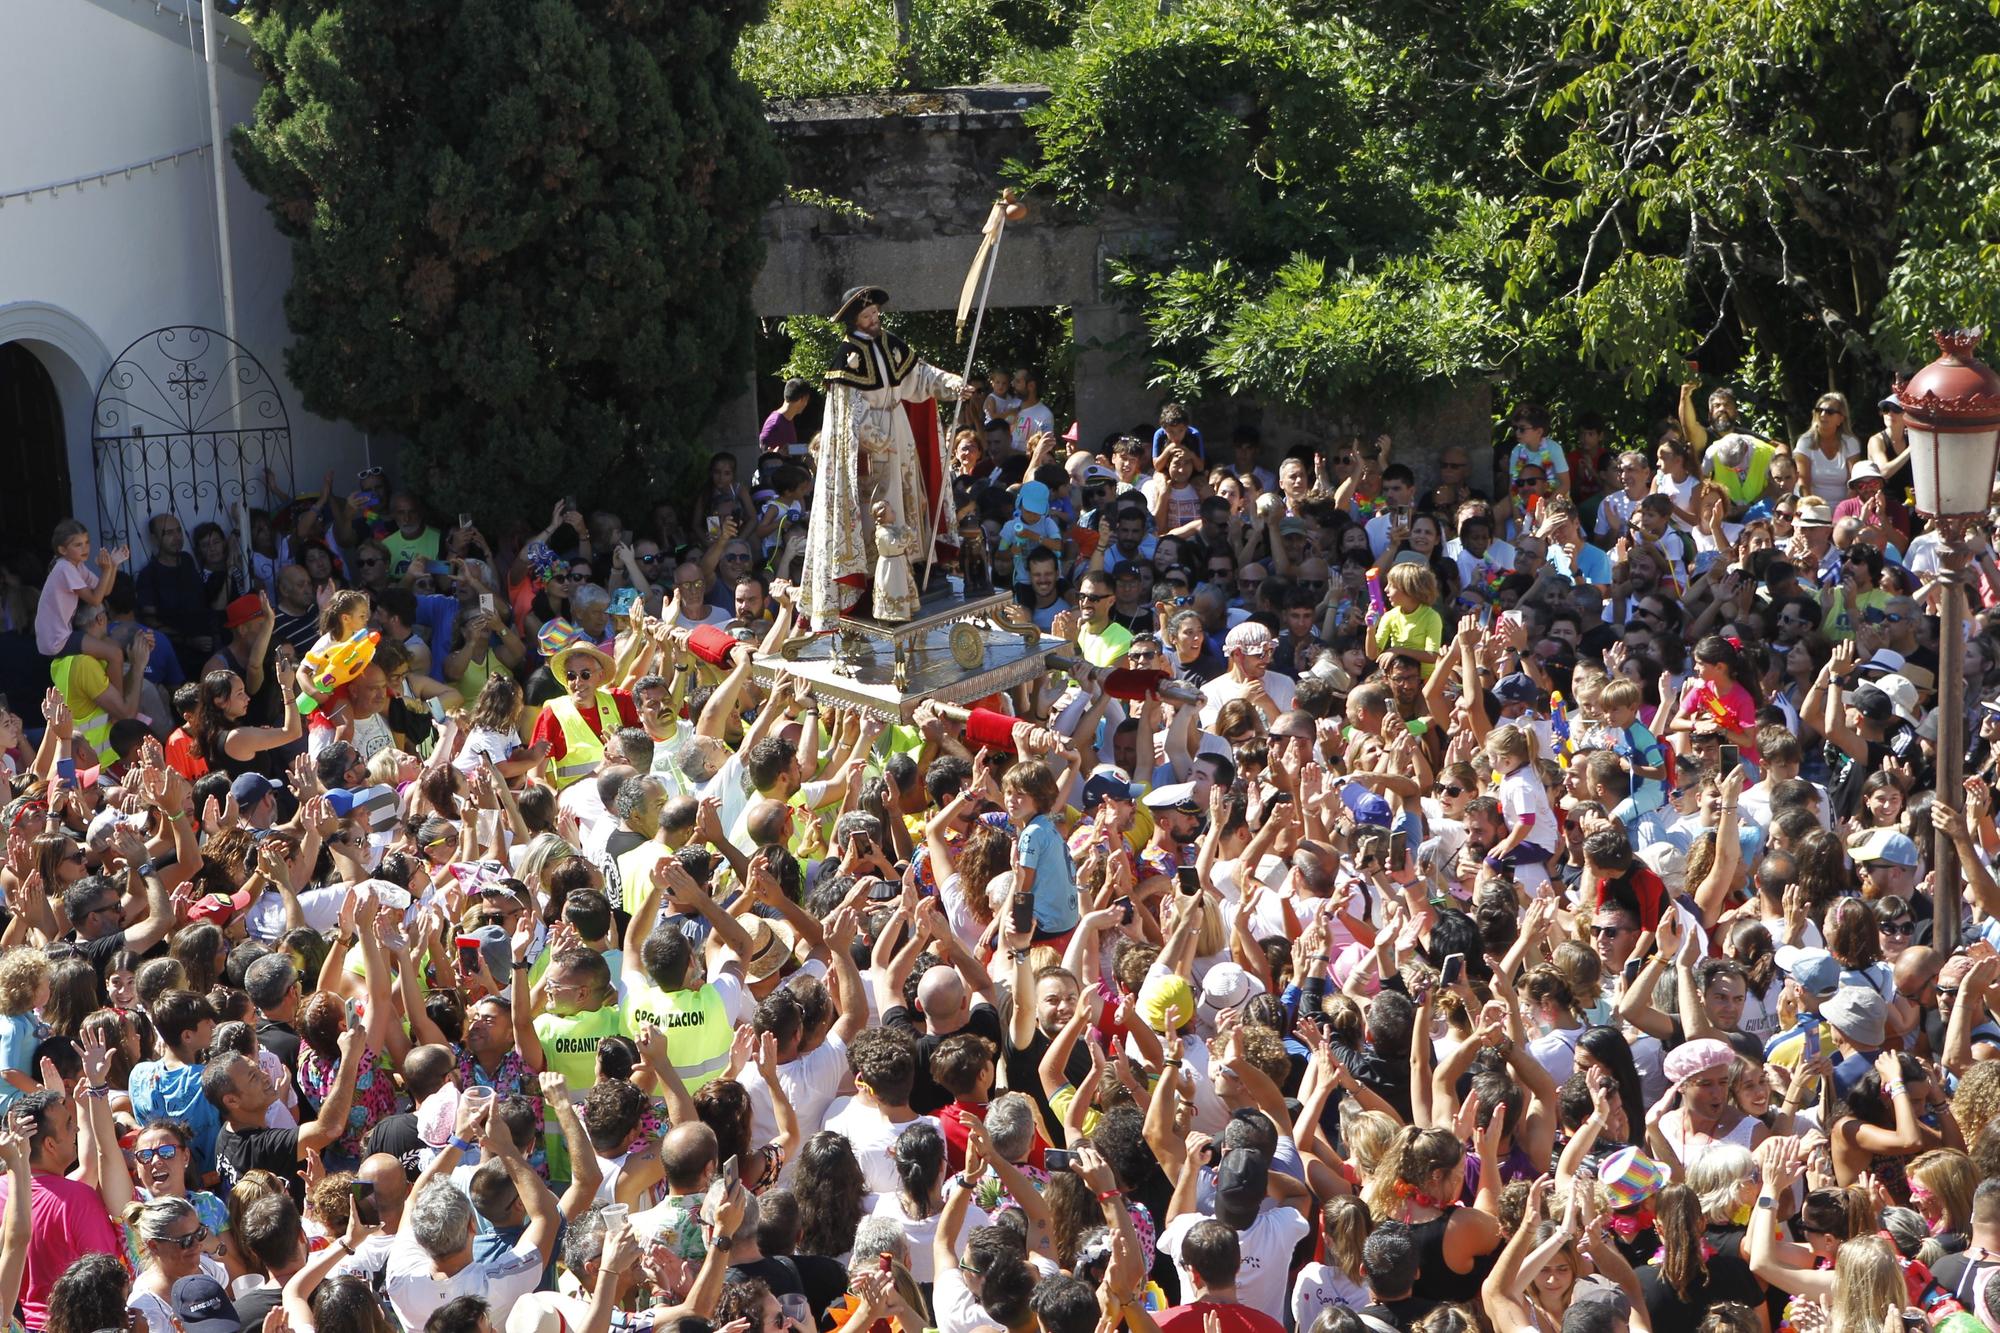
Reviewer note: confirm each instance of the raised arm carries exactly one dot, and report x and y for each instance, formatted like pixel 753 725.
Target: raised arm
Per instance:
pixel 331 1122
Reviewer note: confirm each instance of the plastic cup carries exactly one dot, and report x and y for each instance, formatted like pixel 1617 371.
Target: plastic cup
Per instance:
pixel 615 1215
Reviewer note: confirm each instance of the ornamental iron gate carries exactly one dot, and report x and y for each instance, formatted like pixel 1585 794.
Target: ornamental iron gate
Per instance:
pixel 187 421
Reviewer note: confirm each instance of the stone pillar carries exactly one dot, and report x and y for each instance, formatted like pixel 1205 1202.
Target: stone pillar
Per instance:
pixel 1111 392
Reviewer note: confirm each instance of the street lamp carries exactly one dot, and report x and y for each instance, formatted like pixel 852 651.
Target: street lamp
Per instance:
pixel 1951 413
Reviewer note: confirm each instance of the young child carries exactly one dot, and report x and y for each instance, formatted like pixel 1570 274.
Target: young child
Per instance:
pixel 1725 698
pixel 70 582
pixel 1000 404
pixel 495 731
pixel 182 754
pixel 963 1066
pixel 1524 807
pixel 1031 526
pixel 1632 741
pixel 1045 870
pixel 1411 625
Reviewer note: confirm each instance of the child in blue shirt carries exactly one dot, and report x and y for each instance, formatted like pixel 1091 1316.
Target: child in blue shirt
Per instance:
pixel 1635 743
pixel 1030 527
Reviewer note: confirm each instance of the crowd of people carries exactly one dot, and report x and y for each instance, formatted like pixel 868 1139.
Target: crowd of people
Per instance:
pixel 1418 908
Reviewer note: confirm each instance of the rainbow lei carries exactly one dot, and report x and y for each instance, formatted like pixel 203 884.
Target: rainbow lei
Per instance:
pixel 543 563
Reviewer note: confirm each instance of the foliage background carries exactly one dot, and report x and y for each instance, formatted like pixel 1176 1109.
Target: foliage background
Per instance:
pixel 1569 198
pixel 524 231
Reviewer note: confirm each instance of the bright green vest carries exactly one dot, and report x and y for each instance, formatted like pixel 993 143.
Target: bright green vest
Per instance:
pixel 1747 487
pixel 569 1048
pixel 94 725
pixel 583 748
pixel 697 1028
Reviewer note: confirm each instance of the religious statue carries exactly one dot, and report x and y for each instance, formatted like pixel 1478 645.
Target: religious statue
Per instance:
pixel 880 441
pixel 895 587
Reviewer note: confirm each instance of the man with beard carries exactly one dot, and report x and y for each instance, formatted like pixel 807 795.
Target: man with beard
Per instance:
pixel 1178 824
pixel 171 597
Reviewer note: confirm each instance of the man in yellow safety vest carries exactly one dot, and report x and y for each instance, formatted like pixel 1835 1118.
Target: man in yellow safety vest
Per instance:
pixel 95 702
pixel 574 726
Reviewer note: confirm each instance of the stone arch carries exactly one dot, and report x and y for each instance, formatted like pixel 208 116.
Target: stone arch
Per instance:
pixel 75 358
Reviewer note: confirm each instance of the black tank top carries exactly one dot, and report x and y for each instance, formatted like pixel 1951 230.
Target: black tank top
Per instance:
pixel 1435 1279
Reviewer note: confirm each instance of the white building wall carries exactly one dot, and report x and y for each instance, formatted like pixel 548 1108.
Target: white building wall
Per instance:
pixel 91 85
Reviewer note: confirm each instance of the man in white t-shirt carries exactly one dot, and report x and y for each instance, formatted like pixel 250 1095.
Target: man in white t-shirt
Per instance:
pixel 812 1058
pixel 885 1071
pixel 1034 416
pixel 430 1261
pixel 1248 646
pixel 1266 1240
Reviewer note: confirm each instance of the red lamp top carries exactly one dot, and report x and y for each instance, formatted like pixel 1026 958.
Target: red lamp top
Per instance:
pixel 1956 392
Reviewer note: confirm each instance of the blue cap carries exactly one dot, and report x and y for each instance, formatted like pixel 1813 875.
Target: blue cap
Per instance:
pixel 1816 970
pixel 623 601
pixel 1517 689
pixel 1109 781
pixel 1374 810
pixel 1033 498
pixel 250 788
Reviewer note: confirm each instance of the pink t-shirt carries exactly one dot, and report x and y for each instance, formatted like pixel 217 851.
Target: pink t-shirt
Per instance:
pixel 67 1221
pixel 1732 703
pixel 58 605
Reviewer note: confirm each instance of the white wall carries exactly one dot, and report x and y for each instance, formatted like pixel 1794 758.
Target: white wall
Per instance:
pixel 88 85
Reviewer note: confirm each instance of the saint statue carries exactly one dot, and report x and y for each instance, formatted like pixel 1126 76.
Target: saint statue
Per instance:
pixel 895 547
pixel 880 441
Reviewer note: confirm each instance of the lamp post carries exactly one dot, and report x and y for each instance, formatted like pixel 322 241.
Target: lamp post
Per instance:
pixel 1951 411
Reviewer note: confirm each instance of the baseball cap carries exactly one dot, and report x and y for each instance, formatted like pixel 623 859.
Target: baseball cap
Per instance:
pixel 1173 796
pixel 495 949
pixel 1241 1182
pixel 242 611
pixel 1370 808
pixel 1033 498
pixel 1517 688
pixel 250 788
pixel 1885 845
pixel 1861 1014
pixel 1871 702
pixel 1226 988
pixel 1109 780
pixel 202 1306
pixel 1815 970
pixel 1291 527
pixel 220 907
pixel 1166 1004
pixel 1733 448
pixel 1250 638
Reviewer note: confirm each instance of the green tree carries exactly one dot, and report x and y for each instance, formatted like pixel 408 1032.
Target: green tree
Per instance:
pixel 524 231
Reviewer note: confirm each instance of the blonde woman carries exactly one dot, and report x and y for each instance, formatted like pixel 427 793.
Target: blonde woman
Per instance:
pixel 171 1236
pixel 24 988
pixel 1827 452
pixel 1865 1280
pixel 1726 1179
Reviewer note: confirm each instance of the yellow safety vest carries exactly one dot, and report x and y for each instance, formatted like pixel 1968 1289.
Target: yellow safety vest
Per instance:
pixel 1747 487
pixel 697 1028
pixel 92 722
pixel 569 1047
pixel 583 748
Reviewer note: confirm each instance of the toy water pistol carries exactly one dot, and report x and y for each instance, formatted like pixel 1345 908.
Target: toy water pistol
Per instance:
pixel 333 667
pixel 1377 608
pixel 1559 727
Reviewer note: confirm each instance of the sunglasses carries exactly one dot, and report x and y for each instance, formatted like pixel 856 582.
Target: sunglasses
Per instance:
pixel 652 559
pixel 1448 789
pixel 1093 597
pixel 189 1241
pixel 166 1152
pixel 1607 932
pixel 1526 483
pixel 1896 927
pixel 581 673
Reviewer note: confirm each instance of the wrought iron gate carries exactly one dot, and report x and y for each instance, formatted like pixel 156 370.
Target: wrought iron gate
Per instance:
pixel 186 421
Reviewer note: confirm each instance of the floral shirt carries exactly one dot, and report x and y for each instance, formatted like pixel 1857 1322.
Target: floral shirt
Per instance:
pixel 374 1095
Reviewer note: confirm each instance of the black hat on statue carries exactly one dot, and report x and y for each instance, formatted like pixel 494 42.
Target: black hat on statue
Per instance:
pixel 857 297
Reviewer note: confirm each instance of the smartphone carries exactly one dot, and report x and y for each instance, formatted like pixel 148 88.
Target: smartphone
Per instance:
pixel 1453 970
pixel 1189 878
pixel 464 520
pixel 1021 913
pixel 363 1194
pixel 436 567
pixel 1731 757
pixel 1399 853
pixel 1124 911
pixel 1282 798
pixel 714 525
pixel 1812 1043
pixel 1694 367
pixel 468 954
pixel 486 603
pixel 1057 1159
pixel 886 1262
pixel 732 1171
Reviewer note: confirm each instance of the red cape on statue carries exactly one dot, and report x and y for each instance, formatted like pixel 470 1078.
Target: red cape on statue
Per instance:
pixel 924 429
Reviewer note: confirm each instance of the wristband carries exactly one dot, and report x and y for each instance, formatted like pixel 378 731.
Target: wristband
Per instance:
pixel 967 1181
pixel 1895 1089
pixel 463 1145
pixel 1107 1196
pixel 1170 1064
pixel 522 966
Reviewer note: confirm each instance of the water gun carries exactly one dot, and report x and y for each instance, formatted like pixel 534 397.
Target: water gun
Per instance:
pixel 330 668
pixel 1377 608
pixel 1722 715
pixel 1559 727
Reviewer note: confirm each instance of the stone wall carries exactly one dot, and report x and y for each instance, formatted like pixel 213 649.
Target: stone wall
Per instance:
pixel 925 168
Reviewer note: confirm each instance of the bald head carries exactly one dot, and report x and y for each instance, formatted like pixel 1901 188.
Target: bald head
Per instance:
pixel 688 1154
pixel 764 820
pixel 1916 967
pixel 392 1185
pixel 941 993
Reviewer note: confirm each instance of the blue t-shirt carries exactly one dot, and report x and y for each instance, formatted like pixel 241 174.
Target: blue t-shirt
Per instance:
pixel 20 1034
pixel 1014 537
pixel 1638 743
pixel 1044 852
pixel 176 1094
pixel 1191 440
